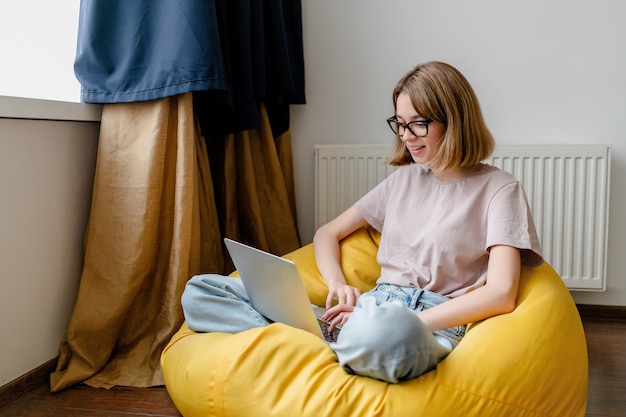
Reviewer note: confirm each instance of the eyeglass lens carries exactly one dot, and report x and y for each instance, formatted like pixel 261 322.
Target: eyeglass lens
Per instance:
pixel 417 128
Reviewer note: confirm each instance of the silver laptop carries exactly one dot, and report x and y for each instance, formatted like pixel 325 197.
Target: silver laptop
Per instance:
pixel 276 289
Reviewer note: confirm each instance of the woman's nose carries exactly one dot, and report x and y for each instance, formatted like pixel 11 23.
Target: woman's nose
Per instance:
pixel 406 135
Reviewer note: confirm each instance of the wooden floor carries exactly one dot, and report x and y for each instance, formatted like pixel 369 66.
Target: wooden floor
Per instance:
pixel 606 342
pixel 83 401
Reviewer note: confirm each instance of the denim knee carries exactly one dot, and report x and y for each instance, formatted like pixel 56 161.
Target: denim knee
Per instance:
pixel 216 303
pixel 387 341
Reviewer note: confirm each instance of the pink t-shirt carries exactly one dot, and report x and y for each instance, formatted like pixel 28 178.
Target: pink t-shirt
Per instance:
pixel 436 234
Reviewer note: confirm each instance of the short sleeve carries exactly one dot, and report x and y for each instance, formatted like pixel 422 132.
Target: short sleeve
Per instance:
pixel 510 223
pixel 373 205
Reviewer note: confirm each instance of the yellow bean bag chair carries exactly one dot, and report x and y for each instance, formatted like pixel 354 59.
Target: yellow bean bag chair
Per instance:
pixel 531 362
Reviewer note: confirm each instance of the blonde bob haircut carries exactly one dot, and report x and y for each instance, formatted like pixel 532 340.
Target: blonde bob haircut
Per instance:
pixel 441 93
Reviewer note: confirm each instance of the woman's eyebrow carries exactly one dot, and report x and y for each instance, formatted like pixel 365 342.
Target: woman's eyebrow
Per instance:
pixel 414 118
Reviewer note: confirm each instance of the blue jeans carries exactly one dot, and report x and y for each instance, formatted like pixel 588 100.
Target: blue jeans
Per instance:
pixel 384 338
pixel 216 303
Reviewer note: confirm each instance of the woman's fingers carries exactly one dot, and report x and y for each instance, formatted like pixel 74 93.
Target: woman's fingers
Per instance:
pixel 344 294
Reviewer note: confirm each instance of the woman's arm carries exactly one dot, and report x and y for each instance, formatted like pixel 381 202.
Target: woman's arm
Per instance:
pixel 328 255
pixel 497 296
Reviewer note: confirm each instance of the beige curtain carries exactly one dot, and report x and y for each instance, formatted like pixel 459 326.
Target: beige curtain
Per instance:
pixel 156 220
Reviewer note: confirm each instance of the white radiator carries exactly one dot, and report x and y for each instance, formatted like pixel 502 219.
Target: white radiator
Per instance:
pixel 567 188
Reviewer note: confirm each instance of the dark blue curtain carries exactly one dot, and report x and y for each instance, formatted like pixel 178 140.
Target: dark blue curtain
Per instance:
pixel 233 54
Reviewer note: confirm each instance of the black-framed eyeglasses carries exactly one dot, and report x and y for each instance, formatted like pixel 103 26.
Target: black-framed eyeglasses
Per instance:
pixel 418 128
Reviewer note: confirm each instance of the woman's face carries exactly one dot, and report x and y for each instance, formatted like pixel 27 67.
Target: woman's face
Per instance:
pixel 422 148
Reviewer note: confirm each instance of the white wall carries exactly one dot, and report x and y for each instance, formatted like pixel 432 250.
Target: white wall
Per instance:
pixel 546 71
pixel 47 163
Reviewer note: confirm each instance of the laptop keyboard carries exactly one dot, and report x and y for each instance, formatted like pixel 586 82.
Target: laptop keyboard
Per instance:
pixel 330 337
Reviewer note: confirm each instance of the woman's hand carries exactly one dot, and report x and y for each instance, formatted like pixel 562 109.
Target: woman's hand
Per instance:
pixel 343 293
pixel 337 315
pixel 328 259
pixel 346 297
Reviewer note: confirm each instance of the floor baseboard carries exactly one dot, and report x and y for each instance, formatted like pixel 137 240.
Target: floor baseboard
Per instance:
pixel 33 379
pixel 601 312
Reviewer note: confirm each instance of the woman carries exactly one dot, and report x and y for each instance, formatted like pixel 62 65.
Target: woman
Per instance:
pixel 454 233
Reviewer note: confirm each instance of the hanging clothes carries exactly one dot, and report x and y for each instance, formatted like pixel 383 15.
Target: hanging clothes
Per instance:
pixel 233 54
pixel 152 225
pixel 261 42
pixel 164 195
pixel 147 49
